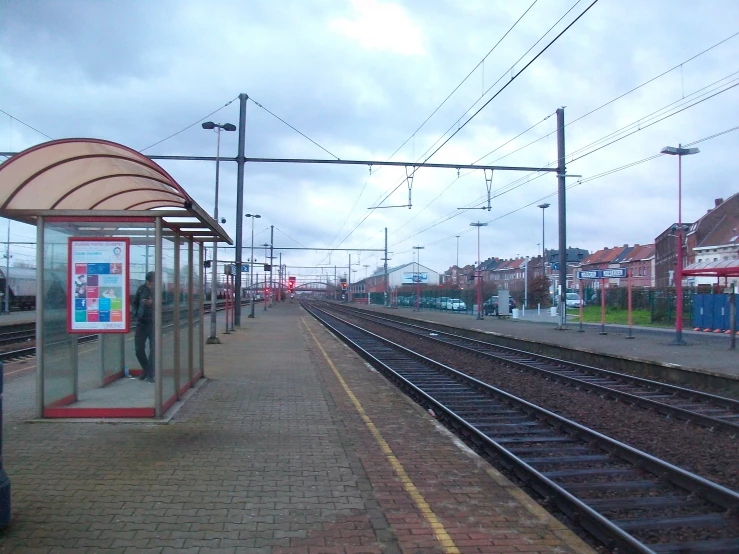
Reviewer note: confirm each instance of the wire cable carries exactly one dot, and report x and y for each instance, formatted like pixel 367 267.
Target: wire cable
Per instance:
pixel 294 129
pixel 288 236
pixel 26 124
pixel 189 126
pixel 464 80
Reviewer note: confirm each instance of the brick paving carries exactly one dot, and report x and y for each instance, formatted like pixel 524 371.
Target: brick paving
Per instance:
pixel 269 456
pixel 703 351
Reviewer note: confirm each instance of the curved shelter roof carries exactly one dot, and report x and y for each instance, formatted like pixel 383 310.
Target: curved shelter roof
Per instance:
pixel 98 178
pixel 727 268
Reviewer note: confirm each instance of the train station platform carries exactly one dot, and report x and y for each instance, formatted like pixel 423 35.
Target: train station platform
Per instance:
pixel 703 352
pixel 291 444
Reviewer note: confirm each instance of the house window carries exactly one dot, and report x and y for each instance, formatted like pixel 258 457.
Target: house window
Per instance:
pixel 715 259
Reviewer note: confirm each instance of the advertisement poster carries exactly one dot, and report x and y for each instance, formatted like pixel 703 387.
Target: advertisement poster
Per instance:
pixel 412 278
pixel 98 285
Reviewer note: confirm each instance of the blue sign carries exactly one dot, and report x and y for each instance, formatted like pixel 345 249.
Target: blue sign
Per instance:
pixel 555 266
pixel 602 274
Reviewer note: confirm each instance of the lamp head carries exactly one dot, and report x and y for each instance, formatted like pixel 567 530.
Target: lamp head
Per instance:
pixel 674 151
pixel 209 125
pixel 543 206
pixel 229 127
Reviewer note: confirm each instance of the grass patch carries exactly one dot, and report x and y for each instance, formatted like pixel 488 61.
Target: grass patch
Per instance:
pixel 616 316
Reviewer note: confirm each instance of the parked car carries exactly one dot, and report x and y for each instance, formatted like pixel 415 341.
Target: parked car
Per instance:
pixel 441 303
pixel 490 307
pixel 456 305
pixel 572 300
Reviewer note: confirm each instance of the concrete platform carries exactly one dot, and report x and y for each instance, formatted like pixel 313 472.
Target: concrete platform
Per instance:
pixel 703 351
pixel 293 446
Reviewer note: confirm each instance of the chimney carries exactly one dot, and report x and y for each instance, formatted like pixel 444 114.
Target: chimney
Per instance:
pixel 635 245
pixel 626 245
pixel 718 202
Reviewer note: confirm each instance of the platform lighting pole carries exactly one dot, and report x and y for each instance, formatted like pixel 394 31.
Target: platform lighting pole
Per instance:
pixel 418 276
pixel 679 152
pixel 209 125
pixel 251 264
pixel 479 270
pixel 457 252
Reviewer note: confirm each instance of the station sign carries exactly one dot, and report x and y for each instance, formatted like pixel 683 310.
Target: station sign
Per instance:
pixel 602 274
pixel 232 269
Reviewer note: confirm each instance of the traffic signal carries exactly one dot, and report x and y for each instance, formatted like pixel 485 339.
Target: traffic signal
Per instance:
pixel 343 286
pixel 267 267
pixel 206 264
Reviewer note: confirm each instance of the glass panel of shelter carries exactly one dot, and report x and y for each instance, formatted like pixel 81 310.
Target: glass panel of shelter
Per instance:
pixel 97 374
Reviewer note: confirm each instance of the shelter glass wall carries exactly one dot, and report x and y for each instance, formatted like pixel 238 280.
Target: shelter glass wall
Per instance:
pixel 169 392
pixel 197 322
pixel 183 327
pixel 96 375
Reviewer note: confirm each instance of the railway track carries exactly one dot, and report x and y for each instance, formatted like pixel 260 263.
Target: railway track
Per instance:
pixel 708 410
pixel 628 500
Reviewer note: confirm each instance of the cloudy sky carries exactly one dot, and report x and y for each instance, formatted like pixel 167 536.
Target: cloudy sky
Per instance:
pixel 360 77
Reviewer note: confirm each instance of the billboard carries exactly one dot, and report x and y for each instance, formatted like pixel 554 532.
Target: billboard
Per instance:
pixel 98 285
pixel 411 278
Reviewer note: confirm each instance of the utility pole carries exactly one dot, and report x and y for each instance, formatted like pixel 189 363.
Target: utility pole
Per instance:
pixel 349 281
pixel 240 163
pixel 280 278
pixel 561 186
pixel 385 287
pixel 7 272
pixel 271 258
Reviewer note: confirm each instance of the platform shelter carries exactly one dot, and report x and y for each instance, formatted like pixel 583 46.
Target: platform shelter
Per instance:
pixel 105 216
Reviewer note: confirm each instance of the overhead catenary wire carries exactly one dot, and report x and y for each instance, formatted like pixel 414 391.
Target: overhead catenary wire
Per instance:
pixel 26 124
pixel 513 78
pixel 189 126
pixel 576 184
pixel 293 128
pixel 482 61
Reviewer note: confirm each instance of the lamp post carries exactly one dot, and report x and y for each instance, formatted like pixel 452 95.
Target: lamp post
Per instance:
pixel 543 247
pixel 418 276
pixel 479 272
pixel 679 152
pixel 209 125
pixel 457 251
pixel 251 265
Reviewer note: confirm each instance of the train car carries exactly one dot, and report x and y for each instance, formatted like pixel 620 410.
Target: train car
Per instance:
pixel 21 288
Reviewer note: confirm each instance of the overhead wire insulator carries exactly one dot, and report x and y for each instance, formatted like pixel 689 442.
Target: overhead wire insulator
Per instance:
pixel 409 182
pixel 489 185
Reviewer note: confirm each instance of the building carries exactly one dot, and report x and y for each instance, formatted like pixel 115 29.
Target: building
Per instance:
pixel 708 239
pixel 638 258
pixel 402 275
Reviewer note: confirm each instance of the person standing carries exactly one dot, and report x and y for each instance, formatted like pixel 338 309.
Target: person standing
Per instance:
pixel 143 309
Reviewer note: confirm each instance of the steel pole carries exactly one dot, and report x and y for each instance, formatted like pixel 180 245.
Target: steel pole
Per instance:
pixel 387 298
pixel 7 272
pixel 561 170
pixel 251 271
pixel 213 338
pixel 479 278
pixel 679 268
pixel 271 259
pixel 240 163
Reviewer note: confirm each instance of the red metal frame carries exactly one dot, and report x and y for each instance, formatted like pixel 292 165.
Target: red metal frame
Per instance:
pixel 127 285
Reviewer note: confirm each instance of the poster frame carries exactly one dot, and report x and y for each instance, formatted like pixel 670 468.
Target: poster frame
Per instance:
pixel 127 286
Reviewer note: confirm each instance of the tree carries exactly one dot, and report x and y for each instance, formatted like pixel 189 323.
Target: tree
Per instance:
pixel 539 291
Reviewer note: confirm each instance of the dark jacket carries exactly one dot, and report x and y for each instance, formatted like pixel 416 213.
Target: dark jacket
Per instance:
pixel 142 312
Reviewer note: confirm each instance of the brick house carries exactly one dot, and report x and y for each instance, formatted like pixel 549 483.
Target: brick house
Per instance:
pixel 701 240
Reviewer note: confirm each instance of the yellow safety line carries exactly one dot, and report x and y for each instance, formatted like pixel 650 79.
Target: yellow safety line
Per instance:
pixel 423 506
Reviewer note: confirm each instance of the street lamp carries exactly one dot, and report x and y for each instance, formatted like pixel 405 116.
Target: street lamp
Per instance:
pixel 457 252
pixel 679 152
pixel 543 248
pixel 209 125
pixel 251 266
pixel 418 276
pixel 479 272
